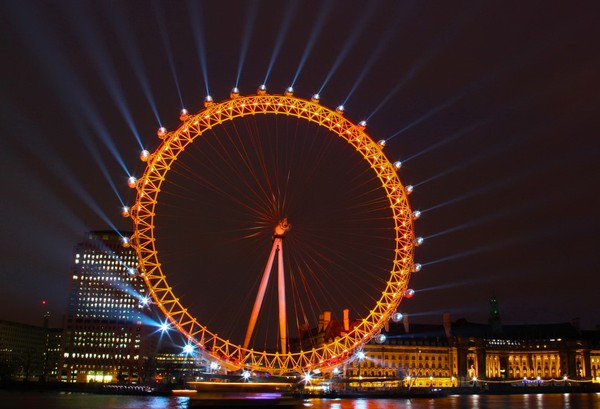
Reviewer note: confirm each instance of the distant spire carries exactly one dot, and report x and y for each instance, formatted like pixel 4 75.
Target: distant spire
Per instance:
pixel 494 319
pixel 494 309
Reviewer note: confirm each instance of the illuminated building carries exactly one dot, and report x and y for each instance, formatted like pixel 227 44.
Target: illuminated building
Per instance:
pixel 468 354
pixel 28 352
pixel 464 353
pixel 403 355
pixel 104 339
pixel 174 366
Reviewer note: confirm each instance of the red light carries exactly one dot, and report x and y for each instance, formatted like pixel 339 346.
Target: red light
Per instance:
pixel 43 302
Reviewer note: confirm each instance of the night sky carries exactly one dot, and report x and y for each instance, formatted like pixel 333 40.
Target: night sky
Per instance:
pixel 492 107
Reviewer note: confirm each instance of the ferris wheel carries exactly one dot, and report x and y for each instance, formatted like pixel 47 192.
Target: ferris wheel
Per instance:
pixel 289 352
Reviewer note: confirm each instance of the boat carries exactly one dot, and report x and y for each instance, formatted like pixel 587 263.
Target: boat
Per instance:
pixel 218 394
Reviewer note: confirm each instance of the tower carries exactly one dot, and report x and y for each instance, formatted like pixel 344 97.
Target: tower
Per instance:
pixel 494 319
pixel 103 332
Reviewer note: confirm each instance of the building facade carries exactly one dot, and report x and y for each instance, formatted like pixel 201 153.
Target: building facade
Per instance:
pixel 104 336
pixel 28 352
pixel 464 353
pixel 404 355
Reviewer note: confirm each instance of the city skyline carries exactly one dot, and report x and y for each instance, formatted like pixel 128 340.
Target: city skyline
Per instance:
pixel 490 109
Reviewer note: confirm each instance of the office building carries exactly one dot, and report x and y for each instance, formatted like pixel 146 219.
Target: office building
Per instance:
pixel 28 352
pixel 104 336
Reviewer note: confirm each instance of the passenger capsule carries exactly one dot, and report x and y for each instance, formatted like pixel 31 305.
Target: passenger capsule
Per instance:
pixel 144 155
pixel 419 241
pixel 315 98
pixel 125 242
pixel 208 101
pixel 132 182
pixel 416 214
pixel 381 143
pixel 409 189
pixel 125 211
pixel 380 339
pixel 409 293
pixel 397 317
pixel 234 93
pixel 362 124
pixel 183 114
pixel 416 267
pixel 289 91
pixel 262 89
pixel 397 164
pixel 162 132
pixel 340 109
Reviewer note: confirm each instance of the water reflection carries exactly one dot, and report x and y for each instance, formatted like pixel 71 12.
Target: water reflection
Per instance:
pixel 64 400
pixel 566 401
pixel 49 400
pixel 533 401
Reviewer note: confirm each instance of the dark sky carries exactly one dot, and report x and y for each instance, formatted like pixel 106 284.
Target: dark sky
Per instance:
pixel 491 106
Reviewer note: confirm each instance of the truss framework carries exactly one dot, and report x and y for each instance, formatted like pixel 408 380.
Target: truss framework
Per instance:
pixel 230 355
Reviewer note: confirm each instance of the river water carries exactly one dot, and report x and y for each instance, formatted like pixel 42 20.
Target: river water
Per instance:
pixel 55 400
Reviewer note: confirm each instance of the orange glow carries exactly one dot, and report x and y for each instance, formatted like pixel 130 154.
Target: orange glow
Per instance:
pixel 173 143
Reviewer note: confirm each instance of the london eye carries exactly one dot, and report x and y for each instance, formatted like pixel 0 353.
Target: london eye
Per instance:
pixel 292 211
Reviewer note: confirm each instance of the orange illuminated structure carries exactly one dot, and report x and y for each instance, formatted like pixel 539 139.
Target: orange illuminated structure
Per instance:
pixel 143 240
pixel 277 248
